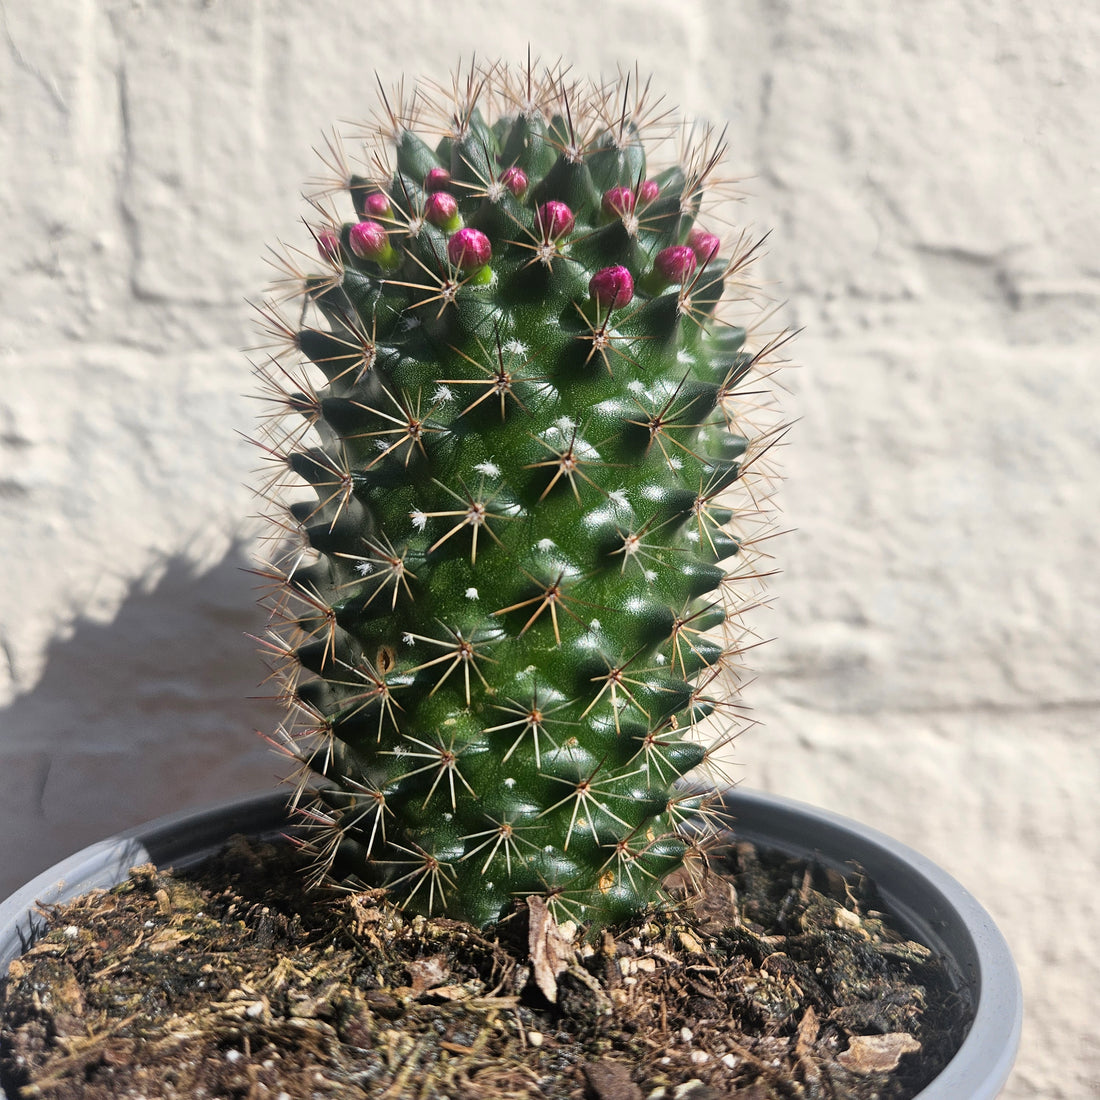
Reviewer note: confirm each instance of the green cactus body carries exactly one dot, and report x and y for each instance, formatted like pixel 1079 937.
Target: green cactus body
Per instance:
pixel 518 438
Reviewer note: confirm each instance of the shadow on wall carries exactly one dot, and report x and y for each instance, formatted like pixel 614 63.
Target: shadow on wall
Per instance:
pixel 149 713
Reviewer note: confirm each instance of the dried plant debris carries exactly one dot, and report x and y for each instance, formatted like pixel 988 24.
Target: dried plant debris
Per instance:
pixel 780 981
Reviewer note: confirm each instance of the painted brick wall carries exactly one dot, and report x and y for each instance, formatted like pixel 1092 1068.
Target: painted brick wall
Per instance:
pixel 930 172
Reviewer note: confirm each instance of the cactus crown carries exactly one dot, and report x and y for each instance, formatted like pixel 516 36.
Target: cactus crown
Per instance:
pixel 526 496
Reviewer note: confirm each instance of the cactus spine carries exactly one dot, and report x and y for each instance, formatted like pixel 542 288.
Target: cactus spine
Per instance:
pixel 518 421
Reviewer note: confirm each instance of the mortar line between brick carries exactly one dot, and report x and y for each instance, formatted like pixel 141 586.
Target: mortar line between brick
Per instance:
pixel 1060 706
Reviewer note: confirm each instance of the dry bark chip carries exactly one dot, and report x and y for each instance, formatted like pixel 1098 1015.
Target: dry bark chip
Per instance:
pixel 610 1081
pixel 807 1031
pixel 877 1053
pixel 550 950
pixel 428 973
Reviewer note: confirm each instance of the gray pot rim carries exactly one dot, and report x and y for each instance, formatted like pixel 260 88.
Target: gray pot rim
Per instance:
pixel 930 904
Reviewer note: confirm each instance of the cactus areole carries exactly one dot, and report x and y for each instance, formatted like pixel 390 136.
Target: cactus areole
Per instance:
pixel 513 454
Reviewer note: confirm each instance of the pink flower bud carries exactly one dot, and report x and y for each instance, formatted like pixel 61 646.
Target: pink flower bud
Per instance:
pixel 515 179
pixel 469 249
pixel 677 264
pixel 441 208
pixel 328 244
pixel 618 202
pixel 368 240
pixel 612 287
pixel 554 220
pixel 437 179
pixel 705 245
pixel 648 191
pixel 377 204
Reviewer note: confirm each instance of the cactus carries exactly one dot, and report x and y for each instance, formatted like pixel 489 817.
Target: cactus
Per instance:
pixel 522 534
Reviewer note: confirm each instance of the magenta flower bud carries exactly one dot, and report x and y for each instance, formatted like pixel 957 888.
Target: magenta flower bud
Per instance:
pixel 612 287
pixel 705 245
pixel 437 179
pixel 618 202
pixel 677 264
pixel 441 208
pixel 554 220
pixel 328 244
pixel 469 249
pixel 648 191
pixel 368 240
pixel 377 205
pixel 515 179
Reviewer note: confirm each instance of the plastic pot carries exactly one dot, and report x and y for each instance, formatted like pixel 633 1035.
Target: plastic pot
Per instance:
pixel 930 905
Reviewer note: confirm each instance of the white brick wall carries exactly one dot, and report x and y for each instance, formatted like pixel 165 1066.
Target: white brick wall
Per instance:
pixel 931 174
